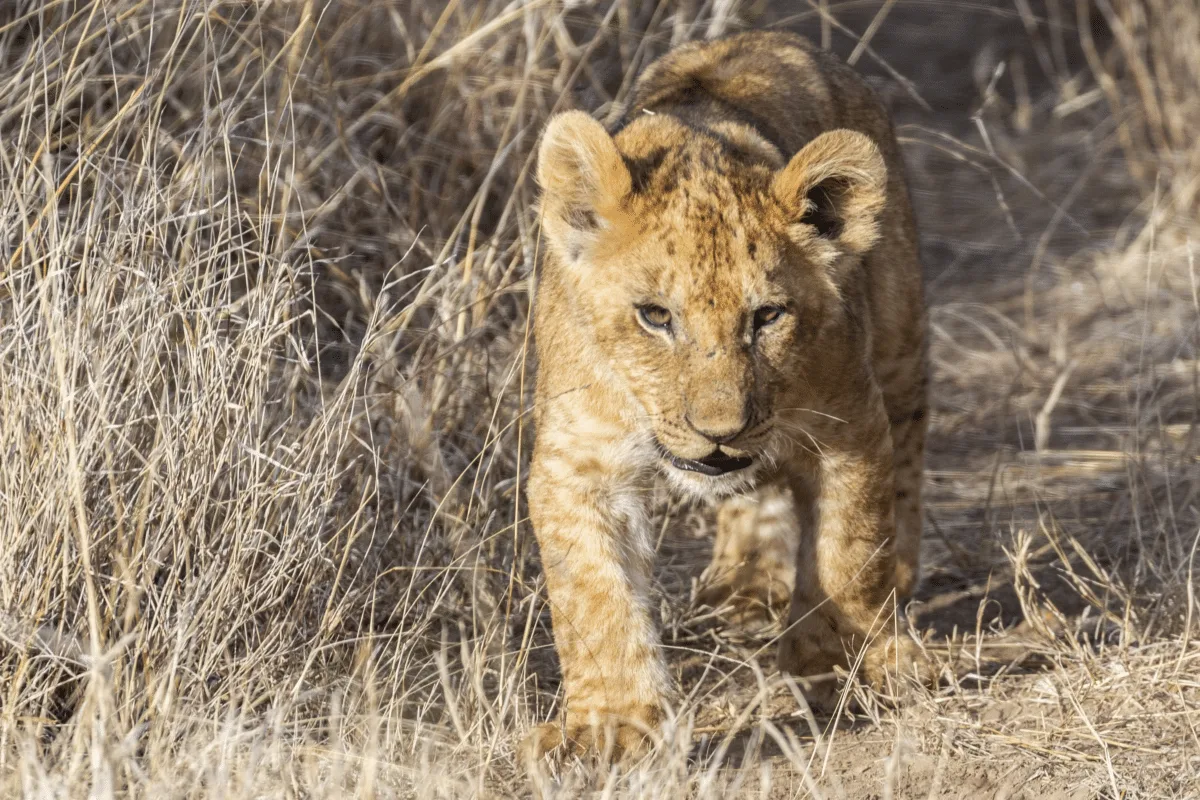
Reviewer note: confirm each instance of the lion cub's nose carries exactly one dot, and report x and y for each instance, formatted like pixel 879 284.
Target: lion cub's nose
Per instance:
pixel 720 431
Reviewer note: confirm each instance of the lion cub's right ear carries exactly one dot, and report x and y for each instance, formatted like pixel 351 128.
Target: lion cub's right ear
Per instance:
pixel 583 180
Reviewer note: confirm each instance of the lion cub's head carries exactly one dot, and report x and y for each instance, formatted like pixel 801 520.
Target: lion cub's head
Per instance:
pixel 708 273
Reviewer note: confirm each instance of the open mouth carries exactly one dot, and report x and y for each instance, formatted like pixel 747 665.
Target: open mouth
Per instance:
pixel 715 463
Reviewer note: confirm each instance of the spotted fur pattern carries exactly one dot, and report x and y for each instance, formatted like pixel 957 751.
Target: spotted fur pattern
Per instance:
pixel 754 197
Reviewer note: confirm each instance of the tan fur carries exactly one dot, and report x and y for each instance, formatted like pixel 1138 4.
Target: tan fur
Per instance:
pixel 749 173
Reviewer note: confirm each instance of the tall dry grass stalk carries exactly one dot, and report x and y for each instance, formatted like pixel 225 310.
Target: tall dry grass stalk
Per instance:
pixel 264 286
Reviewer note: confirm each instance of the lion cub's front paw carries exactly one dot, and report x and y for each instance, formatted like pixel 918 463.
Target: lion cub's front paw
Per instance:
pixel 814 652
pixel 892 661
pixel 608 737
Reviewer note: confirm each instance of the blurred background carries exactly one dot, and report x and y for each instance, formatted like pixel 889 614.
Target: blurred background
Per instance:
pixel 265 277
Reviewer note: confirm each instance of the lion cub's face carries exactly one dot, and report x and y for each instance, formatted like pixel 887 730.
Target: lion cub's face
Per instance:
pixel 706 272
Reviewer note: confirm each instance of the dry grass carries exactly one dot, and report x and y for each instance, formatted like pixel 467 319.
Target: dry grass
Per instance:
pixel 264 283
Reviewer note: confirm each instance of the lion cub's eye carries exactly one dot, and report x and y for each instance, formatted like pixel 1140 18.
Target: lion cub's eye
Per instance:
pixel 766 315
pixel 655 317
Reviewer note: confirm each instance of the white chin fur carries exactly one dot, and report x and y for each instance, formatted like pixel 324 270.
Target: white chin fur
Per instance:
pixel 704 487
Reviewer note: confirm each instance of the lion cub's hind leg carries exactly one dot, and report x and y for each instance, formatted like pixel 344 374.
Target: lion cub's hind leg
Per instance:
pixel 909 442
pixel 908 412
pixel 753 568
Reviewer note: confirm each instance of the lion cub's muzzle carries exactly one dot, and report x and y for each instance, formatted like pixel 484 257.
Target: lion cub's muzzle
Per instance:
pixel 716 463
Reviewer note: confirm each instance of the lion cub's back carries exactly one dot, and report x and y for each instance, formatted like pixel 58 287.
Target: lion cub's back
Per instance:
pixel 781 84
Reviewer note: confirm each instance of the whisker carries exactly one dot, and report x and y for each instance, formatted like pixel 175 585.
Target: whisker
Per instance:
pixel 819 452
pixel 812 411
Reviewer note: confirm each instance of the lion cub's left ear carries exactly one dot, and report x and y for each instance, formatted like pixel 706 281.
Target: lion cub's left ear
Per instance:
pixel 583 179
pixel 835 188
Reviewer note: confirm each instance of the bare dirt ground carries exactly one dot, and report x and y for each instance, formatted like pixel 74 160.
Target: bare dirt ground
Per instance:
pixel 265 274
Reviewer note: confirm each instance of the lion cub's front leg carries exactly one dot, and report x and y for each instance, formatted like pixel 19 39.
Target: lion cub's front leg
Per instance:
pixel 589 516
pixel 845 588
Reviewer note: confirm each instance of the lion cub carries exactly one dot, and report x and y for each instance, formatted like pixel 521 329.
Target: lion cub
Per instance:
pixel 732 299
